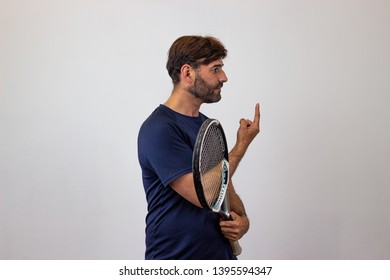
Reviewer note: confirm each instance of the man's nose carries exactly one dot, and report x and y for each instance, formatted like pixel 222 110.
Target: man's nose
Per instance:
pixel 223 78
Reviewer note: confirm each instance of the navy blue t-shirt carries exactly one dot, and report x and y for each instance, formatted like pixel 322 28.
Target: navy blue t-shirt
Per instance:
pixel 175 228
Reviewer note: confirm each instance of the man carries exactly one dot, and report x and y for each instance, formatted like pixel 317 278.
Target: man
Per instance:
pixel 176 225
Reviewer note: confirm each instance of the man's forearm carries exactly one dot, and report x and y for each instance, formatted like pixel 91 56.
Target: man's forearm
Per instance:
pixel 236 204
pixel 235 156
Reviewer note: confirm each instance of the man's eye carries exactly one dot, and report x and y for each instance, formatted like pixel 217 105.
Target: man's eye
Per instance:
pixel 214 70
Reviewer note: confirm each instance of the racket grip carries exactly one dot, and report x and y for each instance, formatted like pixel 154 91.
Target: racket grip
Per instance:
pixel 236 247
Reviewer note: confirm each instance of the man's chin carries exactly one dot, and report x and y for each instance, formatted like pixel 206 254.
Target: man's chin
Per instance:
pixel 214 100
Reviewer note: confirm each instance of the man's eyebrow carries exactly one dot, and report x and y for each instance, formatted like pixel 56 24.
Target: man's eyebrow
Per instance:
pixel 217 65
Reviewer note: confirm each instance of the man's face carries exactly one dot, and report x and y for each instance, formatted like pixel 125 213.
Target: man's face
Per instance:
pixel 208 82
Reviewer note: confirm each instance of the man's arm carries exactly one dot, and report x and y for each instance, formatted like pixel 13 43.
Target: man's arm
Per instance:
pixel 232 230
pixel 185 186
pixel 246 133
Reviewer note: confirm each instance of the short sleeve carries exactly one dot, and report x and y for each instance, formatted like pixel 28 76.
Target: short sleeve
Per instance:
pixel 165 150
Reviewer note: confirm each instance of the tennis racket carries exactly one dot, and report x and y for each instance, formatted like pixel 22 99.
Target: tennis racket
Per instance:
pixel 210 164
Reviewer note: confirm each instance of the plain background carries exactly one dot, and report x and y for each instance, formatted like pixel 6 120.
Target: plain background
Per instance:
pixel 77 79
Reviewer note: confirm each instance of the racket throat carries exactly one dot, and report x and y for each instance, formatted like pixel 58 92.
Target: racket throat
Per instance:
pixel 221 201
pixel 224 211
pixel 225 216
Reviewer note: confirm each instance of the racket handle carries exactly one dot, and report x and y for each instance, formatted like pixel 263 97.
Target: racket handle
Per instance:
pixel 236 247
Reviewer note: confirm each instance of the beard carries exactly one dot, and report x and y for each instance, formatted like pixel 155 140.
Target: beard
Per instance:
pixel 205 92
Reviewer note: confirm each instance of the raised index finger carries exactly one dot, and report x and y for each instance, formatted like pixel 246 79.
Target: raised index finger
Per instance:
pixel 256 119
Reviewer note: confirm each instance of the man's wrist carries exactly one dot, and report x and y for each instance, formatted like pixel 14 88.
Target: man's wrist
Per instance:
pixel 239 150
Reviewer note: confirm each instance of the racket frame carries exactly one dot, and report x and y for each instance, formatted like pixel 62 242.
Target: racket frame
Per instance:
pixel 222 205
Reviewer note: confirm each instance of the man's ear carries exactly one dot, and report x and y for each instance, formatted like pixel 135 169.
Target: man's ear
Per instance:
pixel 187 73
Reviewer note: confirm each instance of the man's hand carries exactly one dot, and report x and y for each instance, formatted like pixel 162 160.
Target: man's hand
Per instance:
pixel 246 133
pixel 234 230
pixel 249 129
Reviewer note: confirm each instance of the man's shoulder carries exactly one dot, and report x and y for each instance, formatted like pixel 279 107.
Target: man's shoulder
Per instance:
pixel 158 119
pixel 164 122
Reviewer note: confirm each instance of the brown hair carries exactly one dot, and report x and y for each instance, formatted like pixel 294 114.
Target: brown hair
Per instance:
pixel 195 51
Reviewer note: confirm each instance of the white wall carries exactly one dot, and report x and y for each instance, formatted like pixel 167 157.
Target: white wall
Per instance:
pixel 79 77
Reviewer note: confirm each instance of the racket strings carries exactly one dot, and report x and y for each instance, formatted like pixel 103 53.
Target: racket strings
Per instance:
pixel 212 155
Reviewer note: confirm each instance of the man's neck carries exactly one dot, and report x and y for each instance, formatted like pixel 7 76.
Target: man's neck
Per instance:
pixel 183 103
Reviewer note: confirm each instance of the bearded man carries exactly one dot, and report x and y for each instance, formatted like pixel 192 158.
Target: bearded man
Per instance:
pixel 176 225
